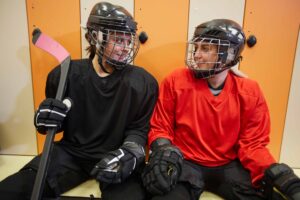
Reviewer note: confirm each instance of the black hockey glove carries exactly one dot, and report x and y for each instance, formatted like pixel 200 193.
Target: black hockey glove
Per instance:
pixel 164 167
pixel 51 113
pixel 119 164
pixel 282 177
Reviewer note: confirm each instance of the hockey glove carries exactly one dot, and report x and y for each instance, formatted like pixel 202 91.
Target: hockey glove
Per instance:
pixel 282 177
pixel 163 169
pixel 51 113
pixel 119 164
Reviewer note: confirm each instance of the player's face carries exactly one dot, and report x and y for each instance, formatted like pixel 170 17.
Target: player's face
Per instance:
pixel 119 46
pixel 205 55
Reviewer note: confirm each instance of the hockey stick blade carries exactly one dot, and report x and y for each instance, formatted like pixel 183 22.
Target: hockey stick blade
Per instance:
pixel 49 45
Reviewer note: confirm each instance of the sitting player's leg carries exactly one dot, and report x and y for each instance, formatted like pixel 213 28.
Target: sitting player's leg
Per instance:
pixel 231 181
pixel 63 174
pixel 130 189
pixel 189 186
pixel 19 185
pixel 180 192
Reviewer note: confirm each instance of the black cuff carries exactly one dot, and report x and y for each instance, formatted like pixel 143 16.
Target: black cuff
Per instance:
pixel 135 149
pixel 160 142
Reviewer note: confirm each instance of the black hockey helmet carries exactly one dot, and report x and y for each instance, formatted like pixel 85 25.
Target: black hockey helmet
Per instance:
pixel 105 15
pixel 227 35
pixel 108 20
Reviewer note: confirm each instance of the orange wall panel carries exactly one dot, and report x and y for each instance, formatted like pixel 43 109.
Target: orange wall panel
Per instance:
pixel 270 62
pixel 166 23
pixel 275 24
pixel 60 20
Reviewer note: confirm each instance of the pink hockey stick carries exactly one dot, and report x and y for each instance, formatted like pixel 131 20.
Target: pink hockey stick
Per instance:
pixel 49 45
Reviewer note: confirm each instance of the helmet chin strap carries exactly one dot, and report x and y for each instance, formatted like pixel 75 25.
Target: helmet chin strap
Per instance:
pixel 210 73
pixel 97 42
pixel 101 65
pixel 205 74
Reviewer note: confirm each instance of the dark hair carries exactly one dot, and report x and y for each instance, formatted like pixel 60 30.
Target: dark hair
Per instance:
pixel 92 48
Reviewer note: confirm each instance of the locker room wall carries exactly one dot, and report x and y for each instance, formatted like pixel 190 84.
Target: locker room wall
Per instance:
pixel 17 135
pixel 291 137
pixel 199 13
pixel 60 20
pixel 85 8
pixel 169 24
pixel 275 24
pixel 166 23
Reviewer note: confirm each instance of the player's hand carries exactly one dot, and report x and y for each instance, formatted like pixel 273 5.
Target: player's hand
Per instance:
pixel 118 165
pixel 163 169
pixel 282 177
pixel 115 167
pixel 50 114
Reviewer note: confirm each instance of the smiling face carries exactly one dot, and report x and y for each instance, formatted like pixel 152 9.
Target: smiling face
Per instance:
pixel 119 46
pixel 205 55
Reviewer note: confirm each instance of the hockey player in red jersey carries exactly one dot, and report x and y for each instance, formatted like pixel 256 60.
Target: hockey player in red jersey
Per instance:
pixel 210 128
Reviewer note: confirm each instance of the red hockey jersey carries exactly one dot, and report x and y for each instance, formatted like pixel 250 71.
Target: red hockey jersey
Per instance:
pixel 214 130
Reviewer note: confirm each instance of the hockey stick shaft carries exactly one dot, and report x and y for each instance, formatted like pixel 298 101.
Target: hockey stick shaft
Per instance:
pixel 54 48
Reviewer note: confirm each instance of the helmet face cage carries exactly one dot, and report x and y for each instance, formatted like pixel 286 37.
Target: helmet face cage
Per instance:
pixel 224 34
pixel 112 30
pixel 118 48
pixel 217 54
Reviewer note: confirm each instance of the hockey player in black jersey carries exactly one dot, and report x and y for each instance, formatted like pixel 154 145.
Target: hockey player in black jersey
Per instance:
pixel 105 131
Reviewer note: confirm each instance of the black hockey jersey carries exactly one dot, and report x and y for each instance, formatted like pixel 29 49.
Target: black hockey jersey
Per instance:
pixel 106 111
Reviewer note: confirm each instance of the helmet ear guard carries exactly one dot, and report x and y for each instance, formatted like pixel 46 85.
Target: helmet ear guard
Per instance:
pixel 96 37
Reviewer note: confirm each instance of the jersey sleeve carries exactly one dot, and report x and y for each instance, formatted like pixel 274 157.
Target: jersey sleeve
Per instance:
pixel 254 137
pixel 138 129
pixel 162 121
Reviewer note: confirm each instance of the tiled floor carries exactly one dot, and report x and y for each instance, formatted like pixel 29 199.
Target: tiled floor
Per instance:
pixel 10 164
